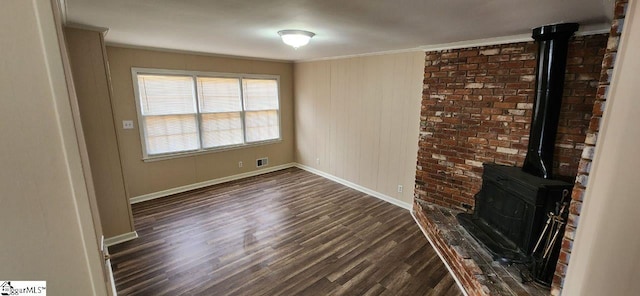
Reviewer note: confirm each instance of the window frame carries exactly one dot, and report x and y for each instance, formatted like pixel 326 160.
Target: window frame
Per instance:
pixel 135 71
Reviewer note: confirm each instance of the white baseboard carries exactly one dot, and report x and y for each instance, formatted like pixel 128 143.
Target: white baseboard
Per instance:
pixel 112 281
pixel 458 282
pixel 114 240
pixel 362 189
pixel 189 187
pixel 199 185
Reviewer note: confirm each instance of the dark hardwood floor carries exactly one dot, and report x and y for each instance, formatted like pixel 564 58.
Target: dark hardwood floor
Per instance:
pixel 284 233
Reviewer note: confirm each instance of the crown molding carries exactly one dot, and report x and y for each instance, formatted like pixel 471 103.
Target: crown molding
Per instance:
pixel 200 53
pixel 602 28
pixel 584 31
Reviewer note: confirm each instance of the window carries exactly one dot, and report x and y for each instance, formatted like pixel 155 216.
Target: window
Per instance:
pixel 182 112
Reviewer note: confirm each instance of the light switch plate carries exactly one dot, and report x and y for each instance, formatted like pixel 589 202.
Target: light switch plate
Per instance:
pixel 127 124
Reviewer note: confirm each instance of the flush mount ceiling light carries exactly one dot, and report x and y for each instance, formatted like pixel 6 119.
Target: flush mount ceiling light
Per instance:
pixel 296 38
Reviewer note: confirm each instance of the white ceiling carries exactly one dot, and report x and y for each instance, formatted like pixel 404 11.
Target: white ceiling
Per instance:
pixel 343 27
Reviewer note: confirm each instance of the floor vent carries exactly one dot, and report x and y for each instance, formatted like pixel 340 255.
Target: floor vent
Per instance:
pixel 261 162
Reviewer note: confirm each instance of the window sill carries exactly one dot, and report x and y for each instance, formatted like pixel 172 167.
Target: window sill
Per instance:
pixel 207 151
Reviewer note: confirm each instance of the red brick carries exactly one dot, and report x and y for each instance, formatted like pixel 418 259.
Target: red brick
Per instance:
pixel 432 56
pixel 449 68
pixel 439 74
pixel 465 67
pixel 518 85
pixel 468 53
pixel 485 79
pixel 500 58
pixel 506 118
pixel 512 64
pixel 495 111
pixel 449 55
pixel 431 69
pixel 477 60
pixel 523 56
pixel 489 65
pixel 494 85
pixel 523 71
pixel 504 105
pixel 512 49
pixel 498 71
pixel 476 72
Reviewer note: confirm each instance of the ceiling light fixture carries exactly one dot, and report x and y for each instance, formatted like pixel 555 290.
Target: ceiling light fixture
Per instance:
pixel 296 38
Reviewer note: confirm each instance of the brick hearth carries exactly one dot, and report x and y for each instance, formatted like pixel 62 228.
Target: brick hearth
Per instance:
pixel 471 264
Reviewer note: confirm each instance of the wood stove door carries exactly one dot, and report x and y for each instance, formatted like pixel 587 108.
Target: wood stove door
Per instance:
pixel 506 211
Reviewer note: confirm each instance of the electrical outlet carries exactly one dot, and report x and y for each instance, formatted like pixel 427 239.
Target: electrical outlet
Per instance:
pixel 400 188
pixel 127 124
pixel 239 164
pixel 317 160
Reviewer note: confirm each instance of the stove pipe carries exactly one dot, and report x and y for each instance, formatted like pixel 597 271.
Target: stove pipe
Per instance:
pixel 553 41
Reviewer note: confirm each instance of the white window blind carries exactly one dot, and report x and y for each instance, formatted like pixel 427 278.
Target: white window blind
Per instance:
pixel 221 109
pixel 182 111
pixel 169 111
pixel 261 109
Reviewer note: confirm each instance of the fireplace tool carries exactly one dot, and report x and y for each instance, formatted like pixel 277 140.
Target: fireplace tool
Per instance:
pixel 545 249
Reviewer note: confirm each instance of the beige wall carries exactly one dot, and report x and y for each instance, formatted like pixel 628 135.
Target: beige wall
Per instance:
pixel 86 49
pixel 149 177
pixel 47 228
pixel 605 259
pixel 358 119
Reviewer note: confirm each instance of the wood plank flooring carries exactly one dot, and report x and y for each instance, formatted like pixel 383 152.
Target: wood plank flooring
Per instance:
pixel 284 233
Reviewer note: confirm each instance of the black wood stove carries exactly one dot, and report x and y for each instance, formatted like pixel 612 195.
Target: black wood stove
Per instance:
pixel 511 210
pixel 514 204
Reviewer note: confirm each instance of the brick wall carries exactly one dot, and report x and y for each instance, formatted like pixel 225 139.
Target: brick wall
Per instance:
pixel 476 108
pixel 584 166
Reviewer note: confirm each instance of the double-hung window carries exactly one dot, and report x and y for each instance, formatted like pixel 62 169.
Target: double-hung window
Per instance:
pixel 183 112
